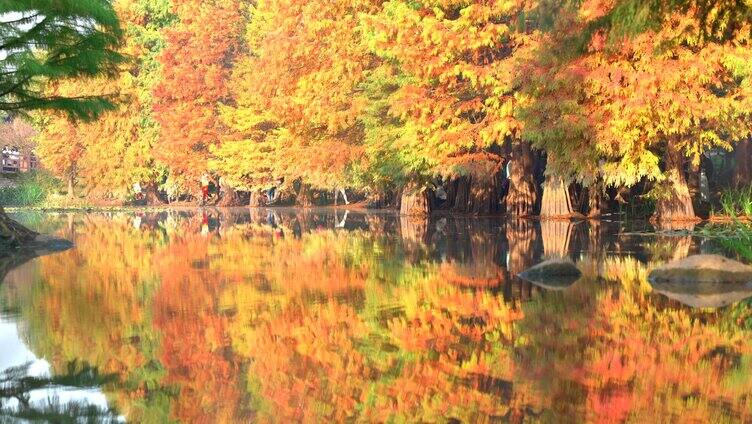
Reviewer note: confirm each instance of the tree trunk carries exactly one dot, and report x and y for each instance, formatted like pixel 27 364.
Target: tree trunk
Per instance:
pixel 151 195
pixel 255 200
pixel 477 194
pixel 743 159
pixel 228 196
pixel 12 233
pixel 522 194
pixel 596 200
pixel 71 185
pixel 305 197
pixel 693 180
pixel 556 203
pixel 675 203
pixel 415 201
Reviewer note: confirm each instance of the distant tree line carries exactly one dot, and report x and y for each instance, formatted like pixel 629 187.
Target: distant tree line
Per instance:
pixel 542 107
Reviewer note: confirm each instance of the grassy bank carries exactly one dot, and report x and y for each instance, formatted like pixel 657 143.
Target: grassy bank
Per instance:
pixel 27 189
pixel 37 190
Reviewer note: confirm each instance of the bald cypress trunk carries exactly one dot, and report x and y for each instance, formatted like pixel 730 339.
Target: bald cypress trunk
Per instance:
pixel 522 194
pixel 556 202
pixel 255 199
pixel 675 203
pixel 476 194
pixel 228 196
pixel 151 193
pixel 743 159
pixel 415 201
pixel 305 196
pixel 596 200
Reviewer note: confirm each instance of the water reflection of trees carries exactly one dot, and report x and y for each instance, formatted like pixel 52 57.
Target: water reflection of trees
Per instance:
pixel 17 387
pixel 291 316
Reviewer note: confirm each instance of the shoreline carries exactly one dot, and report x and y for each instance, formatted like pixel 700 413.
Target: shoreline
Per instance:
pixel 358 208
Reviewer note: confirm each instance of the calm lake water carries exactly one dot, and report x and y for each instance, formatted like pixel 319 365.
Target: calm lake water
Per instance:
pixel 291 316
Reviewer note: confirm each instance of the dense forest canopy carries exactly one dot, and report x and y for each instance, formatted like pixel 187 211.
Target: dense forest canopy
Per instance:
pixel 523 106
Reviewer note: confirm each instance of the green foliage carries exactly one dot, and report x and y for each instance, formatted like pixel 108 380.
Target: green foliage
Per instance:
pixel 31 189
pixel 736 202
pixel 735 237
pixel 52 40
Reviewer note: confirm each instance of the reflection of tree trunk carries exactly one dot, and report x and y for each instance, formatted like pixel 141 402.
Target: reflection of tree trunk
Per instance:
pixel 596 239
pixel 676 203
pixel 414 229
pixel 556 203
pixel 12 233
pixel 557 236
pixel 521 236
pixel 521 197
pixel 743 158
pixel 152 194
pixel 415 201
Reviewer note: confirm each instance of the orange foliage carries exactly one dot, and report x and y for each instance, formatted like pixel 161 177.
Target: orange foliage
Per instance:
pixel 196 65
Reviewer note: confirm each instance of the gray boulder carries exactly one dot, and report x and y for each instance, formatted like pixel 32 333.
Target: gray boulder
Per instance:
pixel 554 274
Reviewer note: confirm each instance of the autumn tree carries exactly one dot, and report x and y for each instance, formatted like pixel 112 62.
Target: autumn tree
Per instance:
pixel 644 90
pixel 459 100
pixel 117 150
pixel 200 50
pixel 307 110
pixel 60 147
pixel 18 133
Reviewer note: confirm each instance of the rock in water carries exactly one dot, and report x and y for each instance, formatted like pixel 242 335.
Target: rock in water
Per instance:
pixel 555 274
pixel 708 269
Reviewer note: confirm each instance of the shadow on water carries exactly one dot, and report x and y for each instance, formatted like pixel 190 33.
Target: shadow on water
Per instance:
pixel 290 315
